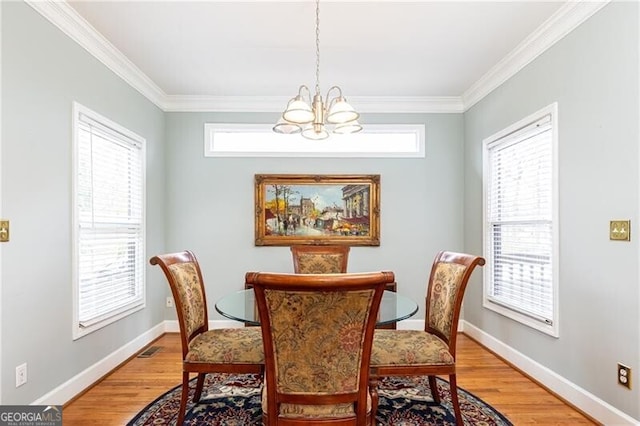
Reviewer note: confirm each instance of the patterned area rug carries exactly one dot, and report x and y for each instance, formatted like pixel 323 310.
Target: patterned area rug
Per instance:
pixel 234 400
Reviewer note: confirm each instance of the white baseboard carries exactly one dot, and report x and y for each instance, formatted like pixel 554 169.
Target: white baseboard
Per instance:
pixel 83 380
pixel 173 327
pixel 415 324
pixel 569 391
pixel 583 400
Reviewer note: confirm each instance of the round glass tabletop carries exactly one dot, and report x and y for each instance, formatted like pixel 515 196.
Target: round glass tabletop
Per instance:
pixel 240 306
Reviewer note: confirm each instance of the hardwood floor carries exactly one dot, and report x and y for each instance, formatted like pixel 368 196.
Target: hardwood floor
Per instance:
pixel 516 396
pixel 126 391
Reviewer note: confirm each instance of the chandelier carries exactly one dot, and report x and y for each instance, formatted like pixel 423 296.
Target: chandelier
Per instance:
pixel 313 117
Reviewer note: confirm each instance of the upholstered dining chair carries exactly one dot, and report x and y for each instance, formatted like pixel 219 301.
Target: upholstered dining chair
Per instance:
pixel 327 259
pixel 432 351
pixel 317 331
pixel 308 259
pixel 231 350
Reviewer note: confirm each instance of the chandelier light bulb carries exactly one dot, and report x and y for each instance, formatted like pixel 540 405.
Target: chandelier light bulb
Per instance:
pixel 341 112
pixel 286 128
pixel 347 128
pixel 315 132
pixel 298 111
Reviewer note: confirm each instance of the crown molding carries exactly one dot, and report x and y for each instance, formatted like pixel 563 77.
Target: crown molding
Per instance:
pixel 561 23
pixel 78 29
pixel 565 20
pixel 406 104
pixel 192 103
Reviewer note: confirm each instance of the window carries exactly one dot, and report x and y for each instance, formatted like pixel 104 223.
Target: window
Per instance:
pixel 108 221
pixel 258 140
pixel 520 221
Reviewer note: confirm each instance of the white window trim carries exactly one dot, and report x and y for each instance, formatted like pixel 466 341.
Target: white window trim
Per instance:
pixel 77 330
pixel 554 328
pixel 338 146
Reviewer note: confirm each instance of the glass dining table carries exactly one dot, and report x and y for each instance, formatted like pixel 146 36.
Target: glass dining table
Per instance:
pixel 240 306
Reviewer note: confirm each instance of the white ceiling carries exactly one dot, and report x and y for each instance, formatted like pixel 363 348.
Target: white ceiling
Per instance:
pixel 195 50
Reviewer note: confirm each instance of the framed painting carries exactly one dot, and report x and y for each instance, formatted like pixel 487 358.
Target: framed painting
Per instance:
pixel 317 209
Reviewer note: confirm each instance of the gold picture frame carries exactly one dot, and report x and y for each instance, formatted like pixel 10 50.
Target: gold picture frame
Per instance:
pixel 317 209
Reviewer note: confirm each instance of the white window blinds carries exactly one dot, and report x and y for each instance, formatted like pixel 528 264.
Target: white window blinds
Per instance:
pixel 109 220
pixel 519 221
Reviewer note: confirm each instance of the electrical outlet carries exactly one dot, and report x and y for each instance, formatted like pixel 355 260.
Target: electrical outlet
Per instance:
pixel 169 302
pixel 21 374
pixel 624 375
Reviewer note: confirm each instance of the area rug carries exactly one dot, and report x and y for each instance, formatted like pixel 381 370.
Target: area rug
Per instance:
pixel 234 400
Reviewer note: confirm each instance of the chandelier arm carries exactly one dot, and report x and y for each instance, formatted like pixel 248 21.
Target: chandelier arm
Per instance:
pixel 304 87
pixel 330 101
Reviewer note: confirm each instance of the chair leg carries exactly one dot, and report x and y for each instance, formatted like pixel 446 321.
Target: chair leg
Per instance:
pixel 199 384
pixel 373 391
pixel 434 389
pixel 183 398
pixel 454 399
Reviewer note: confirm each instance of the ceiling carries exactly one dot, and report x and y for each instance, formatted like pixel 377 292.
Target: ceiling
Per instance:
pixel 190 51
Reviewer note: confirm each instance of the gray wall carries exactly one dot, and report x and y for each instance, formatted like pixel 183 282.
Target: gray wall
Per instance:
pixel 43 72
pixel 593 75
pixel 210 202
pixel 206 204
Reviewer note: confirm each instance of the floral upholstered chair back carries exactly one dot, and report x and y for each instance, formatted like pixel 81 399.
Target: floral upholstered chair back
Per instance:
pixel 447 283
pixel 220 350
pixel 317 331
pixel 320 259
pixel 188 292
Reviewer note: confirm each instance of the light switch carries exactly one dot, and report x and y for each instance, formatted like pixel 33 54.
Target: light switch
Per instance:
pixel 620 230
pixel 4 231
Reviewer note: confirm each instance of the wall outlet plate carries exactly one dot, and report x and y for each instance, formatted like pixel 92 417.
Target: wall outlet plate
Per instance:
pixel 620 230
pixel 624 375
pixel 21 374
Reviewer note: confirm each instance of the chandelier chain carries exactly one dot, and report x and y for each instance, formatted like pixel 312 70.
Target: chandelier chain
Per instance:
pixel 318 47
pixel 310 115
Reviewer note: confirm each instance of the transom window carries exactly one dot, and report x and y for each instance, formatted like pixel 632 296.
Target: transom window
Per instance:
pixel 258 140
pixel 520 221
pixel 108 221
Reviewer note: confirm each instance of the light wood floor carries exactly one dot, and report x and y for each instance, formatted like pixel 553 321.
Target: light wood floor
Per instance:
pixel 126 391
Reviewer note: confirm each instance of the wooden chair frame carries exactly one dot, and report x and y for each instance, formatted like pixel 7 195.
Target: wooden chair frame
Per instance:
pixel 200 368
pixel 469 262
pixel 262 282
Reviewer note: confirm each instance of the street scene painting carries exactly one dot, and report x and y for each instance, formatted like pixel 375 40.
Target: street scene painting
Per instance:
pixel 317 209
